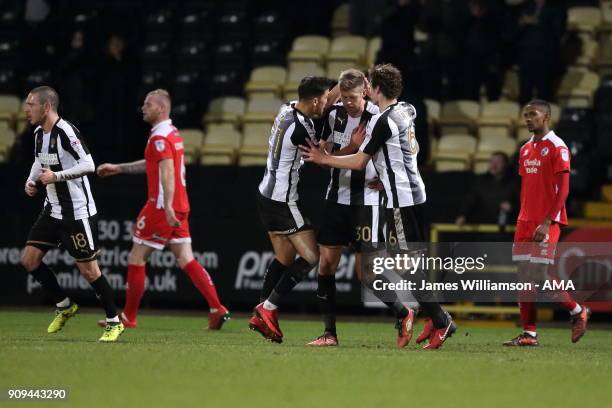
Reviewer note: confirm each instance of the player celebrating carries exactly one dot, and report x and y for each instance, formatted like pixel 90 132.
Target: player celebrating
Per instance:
pixel 391 143
pixel 351 215
pixel 277 200
pixel 61 162
pixel 544 166
pixel 163 220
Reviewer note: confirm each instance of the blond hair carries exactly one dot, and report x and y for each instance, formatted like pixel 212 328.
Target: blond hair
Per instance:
pixel 163 97
pixel 351 79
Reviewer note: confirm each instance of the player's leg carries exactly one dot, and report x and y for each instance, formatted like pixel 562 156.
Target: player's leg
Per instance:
pixel 136 278
pixel 43 236
pixel 284 255
pixel 326 294
pixel 202 281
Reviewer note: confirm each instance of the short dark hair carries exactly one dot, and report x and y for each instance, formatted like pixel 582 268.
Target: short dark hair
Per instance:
pixel 388 78
pixel 312 87
pixel 46 94
pixel 503 155
pixel 542 104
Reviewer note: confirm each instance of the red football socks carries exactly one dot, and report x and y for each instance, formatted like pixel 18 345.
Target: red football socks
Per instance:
pixel 135 290
pixel 201 279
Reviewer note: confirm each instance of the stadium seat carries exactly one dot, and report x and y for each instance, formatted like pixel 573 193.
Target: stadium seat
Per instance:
pixel 433 114
pixel 490 145
pixel 295 75
pixel 9 82
pixel 261 110
pixel 197 20
pixel 584 19
pixel 220 146
pixel 606 19
pixel 459 117
pixel 230 54
pixel 193 51
pixel 155 50
pixel 228 109
pixel 234 24
pixel 373 47
pixel 10 49
pixel 603 61
pixel 192 143
pixel 9 108
pixel 348 48
pixel 254 149
pixel 497 118
pixel 577 88
pixel 454 152
pixel 588 53
pixel 341 20
pixel 510 88
pixel 267 52
pixel 269 24
pixel 335 68
pixel 309 48
pixel 266 81
pixel 227 82
pixel 7 139
pixel 159 23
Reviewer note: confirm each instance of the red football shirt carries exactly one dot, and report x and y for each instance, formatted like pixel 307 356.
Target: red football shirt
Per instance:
pixel 538 164
pixel 165 142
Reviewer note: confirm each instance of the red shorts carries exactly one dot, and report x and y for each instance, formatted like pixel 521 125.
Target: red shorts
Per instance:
pixel 526 249
pixel 152 229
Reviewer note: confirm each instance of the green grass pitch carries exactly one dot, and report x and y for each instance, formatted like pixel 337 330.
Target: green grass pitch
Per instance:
pixel 172 361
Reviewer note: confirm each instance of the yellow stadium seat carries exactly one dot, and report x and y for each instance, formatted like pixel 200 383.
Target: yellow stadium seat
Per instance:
pixel 444 165
pixel 604 57
pixel 511 88
pixel 267 80
pixel 192 142
pixel 498 118
pixel 262 110
pixel 523 134
pixel 373 47
pixel 454 152
pixel 7 139
pixel 577 88
pixel 341 20
pixel 309 48
pixel 606 19
pixel 501 144
pixel 220 146
pixel 9 107
pixel 248 159
pixel 336 67
pixel 459 117
pixel 584 19
pixel 296 74
pixel 433 110
pixel 254 150
pixel 588 53
pixel 225 109
pixel 348 48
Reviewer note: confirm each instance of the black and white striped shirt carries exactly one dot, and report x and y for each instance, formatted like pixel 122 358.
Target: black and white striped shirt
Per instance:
pixel 390 140
pixel 291 128
pixel 349 187
pixel 61 149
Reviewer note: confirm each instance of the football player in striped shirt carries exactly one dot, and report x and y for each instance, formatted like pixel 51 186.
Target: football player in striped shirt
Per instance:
pixel 61 164
pixel 351 217
pixel 391 144
pixel 279 206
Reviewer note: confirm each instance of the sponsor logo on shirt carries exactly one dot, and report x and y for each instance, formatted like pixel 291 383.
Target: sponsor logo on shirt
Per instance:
pixel 531 166
pixel 160 145
pixel 48 159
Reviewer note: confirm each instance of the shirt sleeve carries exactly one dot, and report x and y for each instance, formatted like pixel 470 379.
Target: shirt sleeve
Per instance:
pixel 73 143
pixel 561 160
pixel 521 167
pixel 159 148
pixel 377 135
pixel 35 170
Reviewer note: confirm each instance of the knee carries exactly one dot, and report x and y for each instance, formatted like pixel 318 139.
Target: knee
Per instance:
pixel 89 271
pixel 29 263
pixel 312 257
pixel 134 258
pixel 326 266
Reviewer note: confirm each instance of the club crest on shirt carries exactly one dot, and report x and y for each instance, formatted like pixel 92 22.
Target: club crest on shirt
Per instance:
pixel 52 143
pixel 544 151
pixel 564 155
pixel 160 145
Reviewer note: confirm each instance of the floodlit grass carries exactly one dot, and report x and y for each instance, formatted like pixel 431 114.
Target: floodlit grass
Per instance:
pixel 173 361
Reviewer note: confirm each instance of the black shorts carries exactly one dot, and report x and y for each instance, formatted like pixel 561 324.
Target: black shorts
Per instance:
pixel 406 229
pixel 78 237
pixel 281 217
pixel 350 225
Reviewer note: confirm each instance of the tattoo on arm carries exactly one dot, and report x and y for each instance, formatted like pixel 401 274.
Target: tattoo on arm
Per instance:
pixel 135 167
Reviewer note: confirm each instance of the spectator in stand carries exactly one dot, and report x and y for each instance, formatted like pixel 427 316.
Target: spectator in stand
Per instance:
pixel 541 27
pixel 493 197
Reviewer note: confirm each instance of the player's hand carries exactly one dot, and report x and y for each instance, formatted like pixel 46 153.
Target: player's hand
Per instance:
pixel 171 218
pixel 108 169
pixel 541 232
pixel 358 135
pixel 460 220
pixel 47 176
pixel 30 188
pixel 367 87
pixel 314 153
pixel 376 184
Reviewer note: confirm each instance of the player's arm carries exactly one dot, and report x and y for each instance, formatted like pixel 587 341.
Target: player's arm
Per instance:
pixel 30 185
pixel 318 154
pixel 110 169
pixel 166 175
pixel 357 138
pixel 561 168
pixel 84 166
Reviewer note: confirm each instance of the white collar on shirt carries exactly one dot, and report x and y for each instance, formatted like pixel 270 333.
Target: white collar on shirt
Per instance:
pixel 163 122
